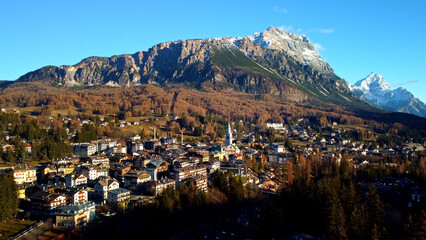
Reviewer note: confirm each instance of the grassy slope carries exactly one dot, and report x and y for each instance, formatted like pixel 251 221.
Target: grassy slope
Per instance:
pixel 233 57
pixel 9 228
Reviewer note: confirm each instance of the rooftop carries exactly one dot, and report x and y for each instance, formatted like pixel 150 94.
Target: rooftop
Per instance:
pixel 119 191
pixel 74 209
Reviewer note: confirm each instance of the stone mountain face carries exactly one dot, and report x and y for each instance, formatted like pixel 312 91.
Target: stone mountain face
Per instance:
pixel 166 61
pixel 376 91
pixel 297 46
pixel 272 62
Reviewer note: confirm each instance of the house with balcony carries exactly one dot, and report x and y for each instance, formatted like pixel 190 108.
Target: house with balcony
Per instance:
pixel 105 184
pixel 75 179
pixel 118 195
pixel 75 195
pixel 157 168
pixel 135 178
pixel 75 215
pixel 157 187
pixel 44 203
pixel 24 174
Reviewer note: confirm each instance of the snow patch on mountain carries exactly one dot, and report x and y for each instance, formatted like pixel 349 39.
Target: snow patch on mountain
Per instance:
pixel 297 46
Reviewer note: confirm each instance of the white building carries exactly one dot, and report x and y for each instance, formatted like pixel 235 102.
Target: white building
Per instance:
pixel 104 185
pixel 276 126
pixel 135 138
pixel 94 173
pixel 24 175
pixel 75 179
pixel 137 147
pixel 182 174
pixel 75 195
pixel 105 145
pixel 134 178
pixel 99 160
pixel 157 187
pixel 199 182
pixel 213 166
pixel 76 215
pixel 278 148
pixel 118 195
pixel 84 149
pixel 120 149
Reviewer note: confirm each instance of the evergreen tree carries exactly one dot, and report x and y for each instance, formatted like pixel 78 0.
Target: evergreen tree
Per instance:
pixel 143 135
pixel 336 221
pixel 236 189
pixel 290 173
pixel 415 226
pixel 376 213
pixel 9 156
pixel 87 133
pixel 357 224
pixel 288 143
pixel 20 153
pixel 220 181
pixel 166 202
pixel 8 196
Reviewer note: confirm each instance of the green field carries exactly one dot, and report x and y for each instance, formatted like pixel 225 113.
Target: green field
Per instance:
pixel 64 112
pixel 54 113
pixel 11 227
pixel 28 163
pixel 299 143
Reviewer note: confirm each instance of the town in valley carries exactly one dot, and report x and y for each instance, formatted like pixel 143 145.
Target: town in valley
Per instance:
pixel 85 177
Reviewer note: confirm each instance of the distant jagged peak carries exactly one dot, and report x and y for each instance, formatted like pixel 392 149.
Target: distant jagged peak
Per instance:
pixel 373 82
pixel 375 90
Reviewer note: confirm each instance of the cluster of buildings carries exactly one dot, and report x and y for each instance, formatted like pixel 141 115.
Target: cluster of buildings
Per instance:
pixel 118 173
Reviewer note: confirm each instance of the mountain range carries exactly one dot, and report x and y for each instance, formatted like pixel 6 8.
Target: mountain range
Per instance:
pixel 277 65
pixel 272 62
pixel 376 91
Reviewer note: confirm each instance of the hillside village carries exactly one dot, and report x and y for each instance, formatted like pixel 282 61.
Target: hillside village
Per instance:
pixel 105 176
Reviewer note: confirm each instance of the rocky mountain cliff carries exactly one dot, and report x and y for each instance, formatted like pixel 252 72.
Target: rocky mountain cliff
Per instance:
pixel 376 91
pixel 272 62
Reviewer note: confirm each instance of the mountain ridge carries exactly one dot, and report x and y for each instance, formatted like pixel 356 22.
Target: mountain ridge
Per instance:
pixel 272 62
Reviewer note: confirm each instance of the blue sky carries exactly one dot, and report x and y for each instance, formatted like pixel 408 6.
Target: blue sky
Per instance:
pixel 354 37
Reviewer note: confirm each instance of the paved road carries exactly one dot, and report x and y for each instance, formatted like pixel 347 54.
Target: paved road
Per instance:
pixel 34 233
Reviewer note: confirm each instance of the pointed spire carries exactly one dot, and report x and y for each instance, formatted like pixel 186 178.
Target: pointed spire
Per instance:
pixel 228 135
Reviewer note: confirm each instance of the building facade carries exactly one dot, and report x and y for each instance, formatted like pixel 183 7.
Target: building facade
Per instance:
pixel 24 175
pixel 76 215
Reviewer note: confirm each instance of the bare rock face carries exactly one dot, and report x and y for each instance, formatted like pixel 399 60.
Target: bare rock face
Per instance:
pixel 298 47
pixel 272 62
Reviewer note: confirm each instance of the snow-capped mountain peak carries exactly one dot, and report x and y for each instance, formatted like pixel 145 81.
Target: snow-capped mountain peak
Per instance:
pixel 373 82
pixel 297 46
pixel 376 91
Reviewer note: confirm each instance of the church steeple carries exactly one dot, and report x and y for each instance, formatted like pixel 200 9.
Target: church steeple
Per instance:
pixel 228 135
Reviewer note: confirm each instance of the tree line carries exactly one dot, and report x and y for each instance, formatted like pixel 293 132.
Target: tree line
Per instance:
pixel 47 141
pixel 328 199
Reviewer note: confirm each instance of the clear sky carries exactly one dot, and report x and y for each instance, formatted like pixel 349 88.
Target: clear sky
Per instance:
pixel 354 37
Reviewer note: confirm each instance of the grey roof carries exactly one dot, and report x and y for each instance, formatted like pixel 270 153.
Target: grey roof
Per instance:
pixel 156 163
pixel 118 191
pixel 73 209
